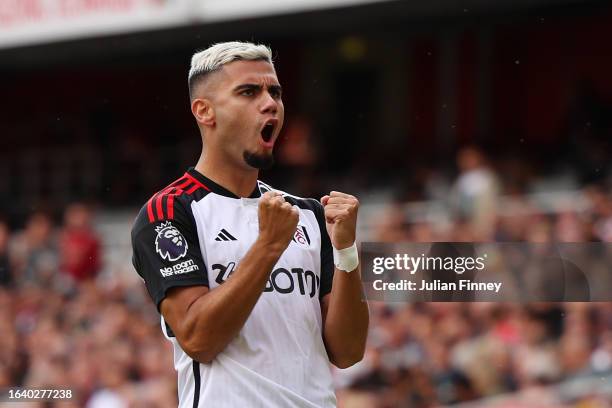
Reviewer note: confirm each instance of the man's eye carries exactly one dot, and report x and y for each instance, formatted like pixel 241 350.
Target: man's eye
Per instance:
pixel 276 93
pixel 247 92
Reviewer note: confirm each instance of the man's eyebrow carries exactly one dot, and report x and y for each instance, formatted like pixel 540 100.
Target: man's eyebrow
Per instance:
pixel 275 88
pixel 257 87
pixel 247 86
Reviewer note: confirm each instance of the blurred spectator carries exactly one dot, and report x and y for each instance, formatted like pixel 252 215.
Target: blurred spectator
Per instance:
pixel 569 228
pixel 79 244
pixel 33 251
pixel 601 359
pixel 475 192
pixel 601 213
pixel 392 225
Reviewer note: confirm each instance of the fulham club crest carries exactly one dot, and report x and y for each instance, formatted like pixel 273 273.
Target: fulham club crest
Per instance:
pixel 301 236
pixel 170 244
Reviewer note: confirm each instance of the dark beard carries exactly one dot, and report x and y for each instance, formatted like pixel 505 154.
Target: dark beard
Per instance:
pixel 258 161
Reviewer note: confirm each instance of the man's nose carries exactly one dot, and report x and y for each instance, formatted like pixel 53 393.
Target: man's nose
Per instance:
pixel 269 104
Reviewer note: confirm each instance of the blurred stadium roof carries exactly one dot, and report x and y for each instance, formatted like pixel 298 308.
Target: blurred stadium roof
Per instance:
pixel 45 30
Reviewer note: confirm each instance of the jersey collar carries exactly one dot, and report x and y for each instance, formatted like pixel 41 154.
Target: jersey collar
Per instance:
pixel 218 189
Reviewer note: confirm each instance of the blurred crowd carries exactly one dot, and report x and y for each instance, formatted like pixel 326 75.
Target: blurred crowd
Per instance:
pixel 483 204
pixel 65 325
pixel 431 354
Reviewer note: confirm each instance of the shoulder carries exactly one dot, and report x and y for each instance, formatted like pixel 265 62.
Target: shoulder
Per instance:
pixel 171 203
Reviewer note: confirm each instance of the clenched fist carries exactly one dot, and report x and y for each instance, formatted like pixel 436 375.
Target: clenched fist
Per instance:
pixel 277 220
pixel 340 218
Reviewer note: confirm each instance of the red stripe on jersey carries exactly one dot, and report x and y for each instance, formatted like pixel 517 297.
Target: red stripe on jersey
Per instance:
pixel 156 196
pixel 171 204
pixel 150 209
pixel 178 190
pixel 159 197
pixel 153 207
pixel 197 182
pixel 158 205
pixel 183 184
pixel 193 188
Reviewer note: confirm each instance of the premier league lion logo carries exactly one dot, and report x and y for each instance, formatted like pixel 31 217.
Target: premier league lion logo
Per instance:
pixel 170 243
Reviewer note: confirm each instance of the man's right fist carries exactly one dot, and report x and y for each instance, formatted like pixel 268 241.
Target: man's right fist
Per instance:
pixel 277 220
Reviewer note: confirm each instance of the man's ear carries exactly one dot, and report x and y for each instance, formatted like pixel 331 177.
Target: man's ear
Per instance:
pixel 203 111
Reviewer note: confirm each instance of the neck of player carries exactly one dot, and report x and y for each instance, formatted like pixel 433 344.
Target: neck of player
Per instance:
pixel 240 181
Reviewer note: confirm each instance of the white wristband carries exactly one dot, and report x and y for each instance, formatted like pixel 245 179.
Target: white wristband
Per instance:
pixel 346 259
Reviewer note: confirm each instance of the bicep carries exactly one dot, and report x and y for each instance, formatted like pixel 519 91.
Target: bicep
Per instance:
pixel 175 306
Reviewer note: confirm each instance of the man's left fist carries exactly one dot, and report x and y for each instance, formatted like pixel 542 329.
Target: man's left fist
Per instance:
pixel 340 218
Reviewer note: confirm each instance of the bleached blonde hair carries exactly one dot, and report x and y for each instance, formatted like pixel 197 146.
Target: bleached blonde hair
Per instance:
pixel 217 55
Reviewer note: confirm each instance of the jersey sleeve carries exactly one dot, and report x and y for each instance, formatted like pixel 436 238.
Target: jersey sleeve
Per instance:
pixel 166 253
pixel 327 259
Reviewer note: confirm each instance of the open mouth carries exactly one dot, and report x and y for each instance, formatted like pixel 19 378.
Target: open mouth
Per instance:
pixel 267 132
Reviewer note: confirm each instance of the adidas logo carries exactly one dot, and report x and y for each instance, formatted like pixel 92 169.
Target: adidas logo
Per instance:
pixel 223 235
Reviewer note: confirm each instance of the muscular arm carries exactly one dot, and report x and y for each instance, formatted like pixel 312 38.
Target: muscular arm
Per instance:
pixel 205 321
pixel 345 319
pixel 345 314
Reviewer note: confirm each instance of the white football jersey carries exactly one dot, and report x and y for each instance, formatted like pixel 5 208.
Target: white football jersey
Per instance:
pixel 195 232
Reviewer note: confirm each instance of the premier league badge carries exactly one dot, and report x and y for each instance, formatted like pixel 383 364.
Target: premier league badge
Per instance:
pixel 170 244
